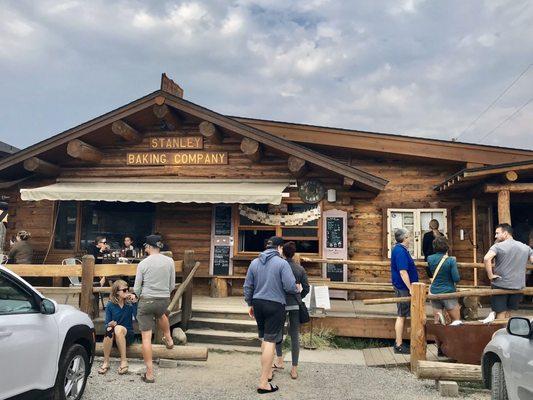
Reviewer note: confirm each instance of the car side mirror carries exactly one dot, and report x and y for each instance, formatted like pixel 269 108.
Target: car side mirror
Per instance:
pixel 47 307
pixel 519 326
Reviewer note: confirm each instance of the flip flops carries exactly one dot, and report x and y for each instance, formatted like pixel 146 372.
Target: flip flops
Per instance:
pixel 103 370
pixel 272 389
pixel 146 380
pixel 276 367
pixel 123 370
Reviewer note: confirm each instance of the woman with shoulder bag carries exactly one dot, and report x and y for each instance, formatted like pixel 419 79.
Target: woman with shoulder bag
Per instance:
pixel 294 302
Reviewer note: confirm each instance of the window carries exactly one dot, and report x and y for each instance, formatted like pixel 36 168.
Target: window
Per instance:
pixel 416 221
pixel 13 299
pixel 293 221
pixel 114 220
pixel 65 232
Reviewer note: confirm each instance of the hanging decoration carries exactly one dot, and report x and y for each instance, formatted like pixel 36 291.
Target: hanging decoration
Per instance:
pixel 294 219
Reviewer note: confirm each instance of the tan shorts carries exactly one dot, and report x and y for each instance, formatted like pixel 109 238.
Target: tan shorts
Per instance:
pixel 148 310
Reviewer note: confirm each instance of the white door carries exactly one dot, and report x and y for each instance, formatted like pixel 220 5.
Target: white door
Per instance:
pixel 28 341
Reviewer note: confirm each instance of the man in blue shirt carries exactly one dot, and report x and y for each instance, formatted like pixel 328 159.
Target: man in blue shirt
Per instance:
pixel 403 273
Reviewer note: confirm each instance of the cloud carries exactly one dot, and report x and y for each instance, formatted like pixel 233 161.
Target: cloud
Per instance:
pixel 406 67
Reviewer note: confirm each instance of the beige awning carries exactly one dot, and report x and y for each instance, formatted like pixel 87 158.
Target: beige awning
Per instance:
pixel 164 191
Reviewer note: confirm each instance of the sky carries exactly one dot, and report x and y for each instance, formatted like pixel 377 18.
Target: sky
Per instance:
pixel 410 67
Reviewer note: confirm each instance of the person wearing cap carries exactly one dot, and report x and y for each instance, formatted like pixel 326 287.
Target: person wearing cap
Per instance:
pixel 154 281
pixel 268 280
pixel 21 251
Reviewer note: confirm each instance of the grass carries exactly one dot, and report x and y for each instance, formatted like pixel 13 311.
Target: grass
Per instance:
pixel 326 339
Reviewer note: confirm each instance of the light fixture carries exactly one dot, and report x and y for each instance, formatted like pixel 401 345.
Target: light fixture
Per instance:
pixel 332 195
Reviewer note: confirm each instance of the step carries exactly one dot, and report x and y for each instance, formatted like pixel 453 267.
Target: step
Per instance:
pixel 223 337
pixel 206 313
pixel 223 324
pixel 228 348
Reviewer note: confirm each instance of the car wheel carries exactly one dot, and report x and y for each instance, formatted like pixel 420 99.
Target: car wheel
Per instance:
pixel 72 374
pixel 498 389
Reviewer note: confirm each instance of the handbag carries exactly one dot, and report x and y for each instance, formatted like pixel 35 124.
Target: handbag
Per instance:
pixel 303 313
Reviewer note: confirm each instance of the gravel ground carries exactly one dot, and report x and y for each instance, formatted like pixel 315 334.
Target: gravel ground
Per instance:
pixel 234 375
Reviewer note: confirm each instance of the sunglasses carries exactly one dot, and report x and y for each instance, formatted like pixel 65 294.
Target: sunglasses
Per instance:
pixel 104 242
pixel 124 290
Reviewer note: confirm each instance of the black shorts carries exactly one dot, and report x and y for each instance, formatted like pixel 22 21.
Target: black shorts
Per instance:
pixel 270 317
pixel 505 302
pixel 404 309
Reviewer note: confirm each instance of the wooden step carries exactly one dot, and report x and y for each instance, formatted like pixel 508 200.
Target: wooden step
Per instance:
pixel 206 313
pixel 223 337
pixel 223 324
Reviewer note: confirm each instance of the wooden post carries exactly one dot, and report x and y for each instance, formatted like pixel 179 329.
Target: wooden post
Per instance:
pixel 474 236
pixel 211 132
pixel 219 287
pixel 297 166
pixel 186 300
pixel 167 115
pixel 39 166
pixel 252 149
pixel 87 276
pixel 504 207
pixel 418 324
pixel 83 151
pixel 126 132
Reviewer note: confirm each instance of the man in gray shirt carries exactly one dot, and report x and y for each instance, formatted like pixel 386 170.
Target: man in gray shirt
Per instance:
pixel 154 281
pixel 511 258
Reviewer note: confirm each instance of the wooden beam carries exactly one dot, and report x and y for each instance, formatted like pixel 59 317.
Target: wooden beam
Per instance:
pixel 511 176
pixel 41 167
pixel 437 370
pixel 189 261
pixel 297 166
pixel 252 149
pixel 168 116
pixel 83 151
pixel 126 132
pixel 211 132
pixel 86 296
pixel 511 187
pixel 347 182
pixel 418 324
pixel 188 353
pixel 504 207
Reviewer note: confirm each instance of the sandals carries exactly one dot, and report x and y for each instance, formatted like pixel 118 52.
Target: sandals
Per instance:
pixel 103 370
pixel 295 376
pixel 276 367
pixel 146 380
pixel 272 389
pixel 123 370
pixel 166 343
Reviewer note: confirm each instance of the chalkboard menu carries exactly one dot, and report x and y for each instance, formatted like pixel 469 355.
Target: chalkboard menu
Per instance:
pixel 335 232
pixel 222 220
pixel 221 260
pixel 335 272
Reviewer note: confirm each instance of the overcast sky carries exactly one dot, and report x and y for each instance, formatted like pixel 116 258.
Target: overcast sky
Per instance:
pixel 412 67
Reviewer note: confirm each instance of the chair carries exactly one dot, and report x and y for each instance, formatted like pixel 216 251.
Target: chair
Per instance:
pixel 74 280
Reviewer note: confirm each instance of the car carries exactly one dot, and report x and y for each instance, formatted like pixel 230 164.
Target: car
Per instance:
pixel 46 349
pixel 507 361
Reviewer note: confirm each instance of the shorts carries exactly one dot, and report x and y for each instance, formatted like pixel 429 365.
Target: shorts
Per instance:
pixel 505 302
pixel 149 309
pixel 270 318
pixel 447 304
pixel 404 309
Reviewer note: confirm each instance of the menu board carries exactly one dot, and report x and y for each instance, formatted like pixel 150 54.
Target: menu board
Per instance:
pixel 221 260
pixel 335 227
pixel 335 272
pixel 335 232
pixel 223 220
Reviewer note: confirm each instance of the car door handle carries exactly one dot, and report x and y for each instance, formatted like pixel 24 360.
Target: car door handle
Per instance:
pixel 5 334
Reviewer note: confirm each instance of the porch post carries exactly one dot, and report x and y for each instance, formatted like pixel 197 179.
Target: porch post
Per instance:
pixel 504 207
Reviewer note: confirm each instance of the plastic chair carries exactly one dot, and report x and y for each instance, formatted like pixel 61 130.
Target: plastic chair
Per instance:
pixel 74 280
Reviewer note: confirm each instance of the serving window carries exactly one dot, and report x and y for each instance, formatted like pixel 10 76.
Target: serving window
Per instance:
pixel 293 221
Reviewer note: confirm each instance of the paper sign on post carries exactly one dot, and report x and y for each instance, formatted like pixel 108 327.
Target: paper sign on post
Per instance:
pixel 322 297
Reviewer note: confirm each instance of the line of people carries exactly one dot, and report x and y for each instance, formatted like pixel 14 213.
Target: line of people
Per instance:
pixel 274 287
pixel 510 259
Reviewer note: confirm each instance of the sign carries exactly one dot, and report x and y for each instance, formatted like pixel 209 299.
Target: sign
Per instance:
pixel 177 142
pixel 335 272
pixel 221 260
pixel 222 220
pixel 322 297
pixel 335 227
pixel 178 158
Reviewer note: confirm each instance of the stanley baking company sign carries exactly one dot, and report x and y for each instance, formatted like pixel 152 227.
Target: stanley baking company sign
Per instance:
pixel 177 150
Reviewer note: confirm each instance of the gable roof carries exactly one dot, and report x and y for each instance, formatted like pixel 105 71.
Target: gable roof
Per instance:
pixel 362 179
pixel 435 149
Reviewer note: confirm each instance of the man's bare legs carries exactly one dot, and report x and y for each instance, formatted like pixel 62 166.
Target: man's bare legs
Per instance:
pixel 267 358
pixel 398 328
pixel 164 325
pixel 147 353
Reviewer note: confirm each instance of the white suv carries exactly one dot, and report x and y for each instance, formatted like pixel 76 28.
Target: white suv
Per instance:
pixel 46 349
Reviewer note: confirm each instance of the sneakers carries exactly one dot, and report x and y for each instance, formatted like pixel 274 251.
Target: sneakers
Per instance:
pixel 401 349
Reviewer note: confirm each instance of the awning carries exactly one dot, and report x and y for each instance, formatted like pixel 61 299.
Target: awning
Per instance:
pixel 164 191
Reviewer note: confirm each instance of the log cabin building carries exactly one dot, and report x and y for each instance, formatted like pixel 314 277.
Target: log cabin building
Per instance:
pixel 221 185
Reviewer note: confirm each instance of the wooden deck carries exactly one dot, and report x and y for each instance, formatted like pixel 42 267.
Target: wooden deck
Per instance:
pixel 385 357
